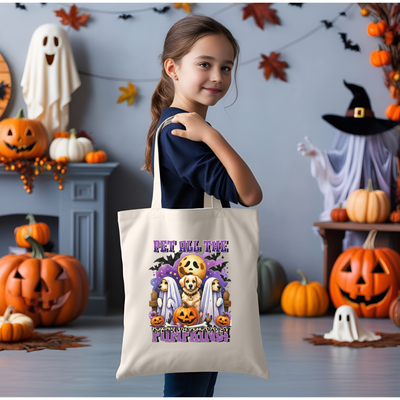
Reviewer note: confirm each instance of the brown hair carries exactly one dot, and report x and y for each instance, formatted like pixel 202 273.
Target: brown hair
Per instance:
pixel 178 42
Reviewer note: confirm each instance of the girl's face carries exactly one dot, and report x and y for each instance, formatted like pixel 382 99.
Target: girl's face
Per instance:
pixel 204 74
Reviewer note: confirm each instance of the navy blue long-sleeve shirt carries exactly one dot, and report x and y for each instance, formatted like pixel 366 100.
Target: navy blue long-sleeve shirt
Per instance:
pixel 189 168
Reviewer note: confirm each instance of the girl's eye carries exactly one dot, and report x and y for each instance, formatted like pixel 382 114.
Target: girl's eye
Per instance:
pixel 209 65
pixel 204 63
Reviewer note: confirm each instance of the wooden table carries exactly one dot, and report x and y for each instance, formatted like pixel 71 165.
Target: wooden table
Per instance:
pixel 333 233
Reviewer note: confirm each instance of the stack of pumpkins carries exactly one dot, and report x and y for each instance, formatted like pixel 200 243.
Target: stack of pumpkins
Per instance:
pixel 43 288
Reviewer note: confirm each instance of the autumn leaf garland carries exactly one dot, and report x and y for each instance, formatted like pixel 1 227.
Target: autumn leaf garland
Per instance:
pixel 72 18
pixel 271 65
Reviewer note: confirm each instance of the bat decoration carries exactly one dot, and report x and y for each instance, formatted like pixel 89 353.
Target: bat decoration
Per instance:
pixel 348 44
pixel 125 16
pixel 21 6
pixel 296 4
pixel 155 268
pixel 170 259
pixel 343 14
pixel 225 279
pixel 220 267
pixel 212 256
pixel 3 88
pixel 327 24
pixel 161 10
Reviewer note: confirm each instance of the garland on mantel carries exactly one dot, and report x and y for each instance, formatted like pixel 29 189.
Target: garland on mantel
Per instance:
pixel 29 169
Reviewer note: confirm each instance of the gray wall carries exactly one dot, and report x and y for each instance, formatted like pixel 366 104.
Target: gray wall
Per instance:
pixel 264 125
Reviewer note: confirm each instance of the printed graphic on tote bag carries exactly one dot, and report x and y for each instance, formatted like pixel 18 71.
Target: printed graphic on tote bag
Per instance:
pixel 190 301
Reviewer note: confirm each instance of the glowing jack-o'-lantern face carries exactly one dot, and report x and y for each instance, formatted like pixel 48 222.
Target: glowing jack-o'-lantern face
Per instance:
pixel 22 137
pixel 192 264
pixel 157 320
pixel 185 315
pixel 223 320
pixel 366 279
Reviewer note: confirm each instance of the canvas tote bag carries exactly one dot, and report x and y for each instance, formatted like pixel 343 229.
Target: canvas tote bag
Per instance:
pixel 190 279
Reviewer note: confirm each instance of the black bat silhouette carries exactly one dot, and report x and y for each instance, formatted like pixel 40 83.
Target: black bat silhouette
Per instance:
pixel 220 267
pixel 125 16
pixel 348 44
pixel 170 259
pixel 3 88
pixel 212 256
pixel 343 14
pixel 161 10
pixel 296 4
pixel 327 24
pixel 225 279
pixel 21 6
pixel 155 268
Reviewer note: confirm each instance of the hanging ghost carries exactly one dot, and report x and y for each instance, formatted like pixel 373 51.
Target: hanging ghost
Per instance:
pixel 212 302
pixel 169 298
pixel 347 327
pixel 363 147
pixel 49 78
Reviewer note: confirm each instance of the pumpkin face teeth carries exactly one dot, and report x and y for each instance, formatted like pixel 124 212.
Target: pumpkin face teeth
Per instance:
pixel 37 303
pixel 361 299
pixel 18 149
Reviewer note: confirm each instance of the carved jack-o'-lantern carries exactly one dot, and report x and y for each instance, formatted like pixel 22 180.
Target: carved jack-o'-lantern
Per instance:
pixel 22 137
pixel 223 320
pixel 186 315
pixel 157 320
pixel 192 264
pixel 366 278
pixel 52 289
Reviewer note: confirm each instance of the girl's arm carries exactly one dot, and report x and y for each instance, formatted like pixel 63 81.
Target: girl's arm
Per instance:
pixel 247 187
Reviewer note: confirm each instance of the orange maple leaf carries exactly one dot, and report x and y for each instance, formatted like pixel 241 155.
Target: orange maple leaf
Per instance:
pixel 272 65
pixel 72 18
pixel 185 6
pixel 260 11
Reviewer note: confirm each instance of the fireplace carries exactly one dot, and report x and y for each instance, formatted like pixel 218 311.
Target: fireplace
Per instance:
pixel 76 216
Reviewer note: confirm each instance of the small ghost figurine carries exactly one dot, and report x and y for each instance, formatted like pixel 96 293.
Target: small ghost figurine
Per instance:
pixel 348 328
pixel 49 78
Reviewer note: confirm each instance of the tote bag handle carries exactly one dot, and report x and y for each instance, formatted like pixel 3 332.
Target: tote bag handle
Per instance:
pixel 209 201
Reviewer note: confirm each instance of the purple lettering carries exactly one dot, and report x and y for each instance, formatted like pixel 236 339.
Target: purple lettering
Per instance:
pixel 185 336
pixel 193 337
pixel 155 336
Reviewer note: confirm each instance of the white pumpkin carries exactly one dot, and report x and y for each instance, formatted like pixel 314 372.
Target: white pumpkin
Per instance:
pixel 74 148
pixel 15 326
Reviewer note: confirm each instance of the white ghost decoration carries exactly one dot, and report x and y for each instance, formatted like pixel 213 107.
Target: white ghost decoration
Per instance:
pixel 49 78
pixel 347 327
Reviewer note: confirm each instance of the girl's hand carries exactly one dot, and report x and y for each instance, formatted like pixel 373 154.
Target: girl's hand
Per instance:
pixel 196 127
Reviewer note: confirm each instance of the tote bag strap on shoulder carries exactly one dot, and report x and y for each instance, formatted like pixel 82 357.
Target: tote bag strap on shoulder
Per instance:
pixel 209 201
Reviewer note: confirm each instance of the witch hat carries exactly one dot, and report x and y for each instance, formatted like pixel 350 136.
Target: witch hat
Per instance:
pixel 359 118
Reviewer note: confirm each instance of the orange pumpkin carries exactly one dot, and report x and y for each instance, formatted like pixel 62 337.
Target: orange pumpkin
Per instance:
pixel 157 320
pixel 366 278
pixel 38 230
pixel 393 112
pixel 186 315
pixel 223 320
pixel 304 299
pixel 377 28
pixel 395 215
pixel 389 36
pixel 379 58
pixel 394 92
pixel 339 214
pixel 61 134
pixel 94 157
pixel 394 310
pixel 364 12
pixel 368 205
pixel 52 289
pixel 15 327
pixel 22 137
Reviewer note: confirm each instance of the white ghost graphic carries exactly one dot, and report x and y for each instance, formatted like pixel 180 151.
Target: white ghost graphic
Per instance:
pixel 347 327
pixel 49 78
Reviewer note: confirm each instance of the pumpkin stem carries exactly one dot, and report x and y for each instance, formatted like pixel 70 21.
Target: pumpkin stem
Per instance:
pixel 370 188
pixel 20 113
pixel 379 47
pixel 304 282
pixel 340 205
pixel 7 314
pixel 73 133
pixel 370 240
pixel 186 305
pixel 31 219
pixel 37 249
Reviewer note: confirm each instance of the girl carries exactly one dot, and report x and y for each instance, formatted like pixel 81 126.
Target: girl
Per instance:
pixel 196 62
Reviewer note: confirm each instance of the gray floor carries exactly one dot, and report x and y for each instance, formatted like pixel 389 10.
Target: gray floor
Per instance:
pixel 298 369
